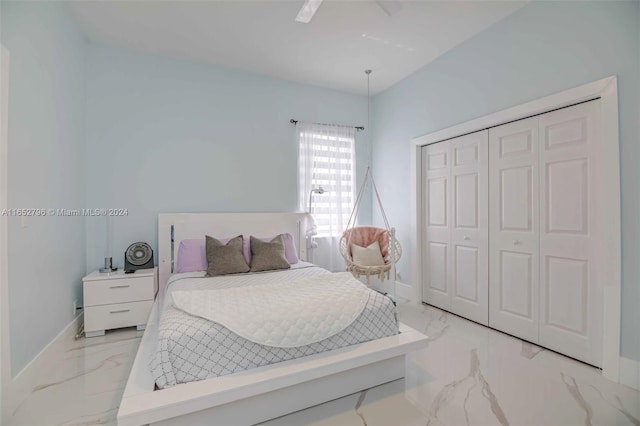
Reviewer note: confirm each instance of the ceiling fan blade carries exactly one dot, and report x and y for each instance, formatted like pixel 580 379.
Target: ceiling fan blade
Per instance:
pixel 307 11
pixel 391 7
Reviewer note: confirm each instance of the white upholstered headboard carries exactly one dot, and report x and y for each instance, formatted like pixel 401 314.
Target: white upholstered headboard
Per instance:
pixel 183 226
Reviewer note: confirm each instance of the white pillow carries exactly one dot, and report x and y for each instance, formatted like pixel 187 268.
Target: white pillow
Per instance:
pixel 370 256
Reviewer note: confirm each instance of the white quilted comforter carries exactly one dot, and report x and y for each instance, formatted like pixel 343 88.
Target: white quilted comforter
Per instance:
pixel 192 348
pixel 283 314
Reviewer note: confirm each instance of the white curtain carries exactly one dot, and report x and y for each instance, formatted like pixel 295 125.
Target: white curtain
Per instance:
pixel 327 160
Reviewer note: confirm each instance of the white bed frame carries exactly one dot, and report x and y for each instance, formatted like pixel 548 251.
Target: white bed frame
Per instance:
pixel 262 393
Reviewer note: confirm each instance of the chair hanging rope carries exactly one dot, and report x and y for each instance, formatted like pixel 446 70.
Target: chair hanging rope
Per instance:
pixel 382 263
pixel 354 213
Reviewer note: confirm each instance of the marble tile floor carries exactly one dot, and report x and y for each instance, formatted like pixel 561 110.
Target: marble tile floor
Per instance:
pixel 82 383
pixel 469 375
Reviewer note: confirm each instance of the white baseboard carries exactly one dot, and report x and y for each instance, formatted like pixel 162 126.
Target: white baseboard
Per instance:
pixel 404 291
pixel 630 372
pixel 18 388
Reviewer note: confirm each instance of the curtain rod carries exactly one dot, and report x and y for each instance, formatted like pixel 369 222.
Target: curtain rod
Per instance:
pixel 358 128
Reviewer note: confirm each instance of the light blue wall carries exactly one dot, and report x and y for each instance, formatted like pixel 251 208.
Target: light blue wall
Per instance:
pixel 541 49
pixel 92 126
pixel 46 170
pixel 166 135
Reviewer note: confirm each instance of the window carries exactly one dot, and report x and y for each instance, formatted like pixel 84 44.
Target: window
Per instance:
pixel 327 160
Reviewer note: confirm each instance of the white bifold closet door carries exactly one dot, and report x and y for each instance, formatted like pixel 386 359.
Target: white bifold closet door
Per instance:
pixel 513 225
pixel 436 286
pixel 571 241
pixel 545 241
pixel 456 226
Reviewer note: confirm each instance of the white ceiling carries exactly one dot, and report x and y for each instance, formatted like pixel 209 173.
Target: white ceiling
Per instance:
pixel 343 39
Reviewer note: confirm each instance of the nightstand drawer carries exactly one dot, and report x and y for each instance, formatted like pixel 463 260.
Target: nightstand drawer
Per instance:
pixel 116 316
pixel 118 291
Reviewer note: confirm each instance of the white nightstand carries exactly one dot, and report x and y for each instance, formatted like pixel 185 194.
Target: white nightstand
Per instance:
pixel 116 299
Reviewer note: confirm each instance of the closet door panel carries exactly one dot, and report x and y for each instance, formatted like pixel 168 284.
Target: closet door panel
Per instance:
pixel 516 187
pixel 514 228
pixel 436 289
pixel 469 233
pixel 570 288
pixel 516 279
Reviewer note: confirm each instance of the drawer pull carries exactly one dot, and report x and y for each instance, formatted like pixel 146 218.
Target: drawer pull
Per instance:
pixel 120 286
pixel 121 311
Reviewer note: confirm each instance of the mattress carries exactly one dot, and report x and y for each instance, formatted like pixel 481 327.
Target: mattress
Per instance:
pixel 191 348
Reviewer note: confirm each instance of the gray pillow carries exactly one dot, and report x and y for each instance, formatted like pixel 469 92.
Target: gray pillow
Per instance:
pixel 267 256
pixel 225 259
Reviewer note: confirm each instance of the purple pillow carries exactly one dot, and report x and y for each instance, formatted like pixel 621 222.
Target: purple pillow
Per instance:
pixel 192 255
pixel 289 248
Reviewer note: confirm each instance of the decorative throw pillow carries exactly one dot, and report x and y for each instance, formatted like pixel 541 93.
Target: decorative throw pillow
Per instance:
pixel 223 259
pixel 369 256
pixel 267 256
pixel 192 256
pixel 290 251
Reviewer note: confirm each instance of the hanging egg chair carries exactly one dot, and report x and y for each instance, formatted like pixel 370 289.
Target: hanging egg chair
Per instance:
pixel 359 244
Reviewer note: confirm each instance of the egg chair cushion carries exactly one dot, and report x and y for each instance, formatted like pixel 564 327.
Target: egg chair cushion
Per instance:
pixel 364 236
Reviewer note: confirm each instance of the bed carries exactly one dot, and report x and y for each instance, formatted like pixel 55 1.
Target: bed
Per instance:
pixel 165 389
